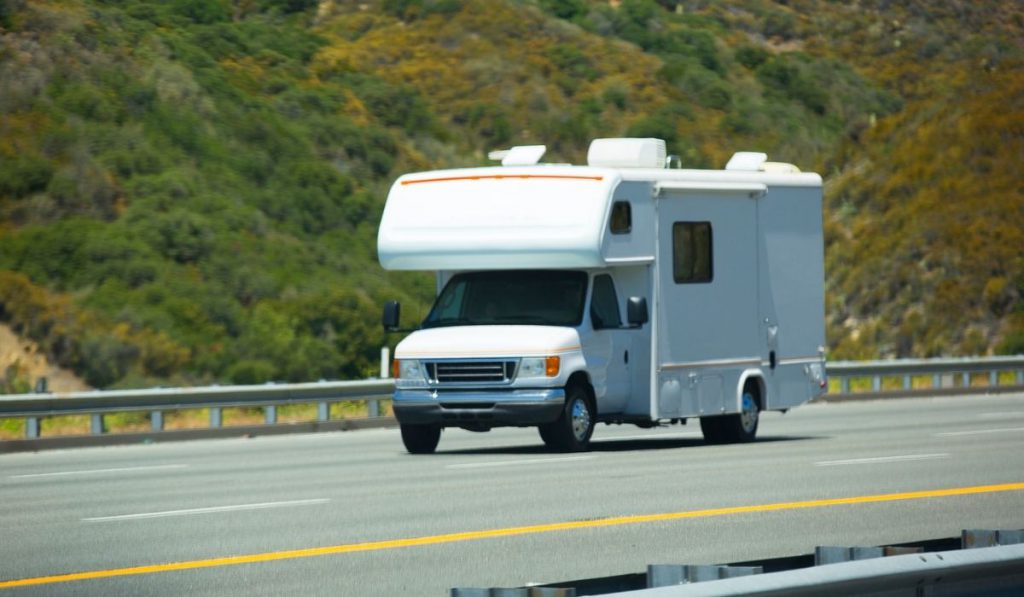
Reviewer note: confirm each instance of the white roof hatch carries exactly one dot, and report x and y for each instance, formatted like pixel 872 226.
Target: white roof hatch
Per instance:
pixel 754 161
pixel 520 155
pixel 626 153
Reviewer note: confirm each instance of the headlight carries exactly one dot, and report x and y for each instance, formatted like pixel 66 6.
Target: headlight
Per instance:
pixel 539 367
pixel 409 372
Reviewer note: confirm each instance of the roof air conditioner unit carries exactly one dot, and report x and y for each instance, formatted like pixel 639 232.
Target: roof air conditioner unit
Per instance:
pixel 627 153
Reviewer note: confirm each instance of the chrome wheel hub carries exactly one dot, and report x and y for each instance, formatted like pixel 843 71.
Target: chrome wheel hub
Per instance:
pixel 580 419
pixel 748 417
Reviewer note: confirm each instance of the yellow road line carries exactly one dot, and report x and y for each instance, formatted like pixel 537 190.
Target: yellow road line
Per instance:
pixel 507 532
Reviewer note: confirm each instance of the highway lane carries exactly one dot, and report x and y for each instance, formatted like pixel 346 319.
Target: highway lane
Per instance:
pixel 105 509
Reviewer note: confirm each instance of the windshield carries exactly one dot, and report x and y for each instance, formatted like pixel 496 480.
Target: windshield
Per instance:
pixel 534 297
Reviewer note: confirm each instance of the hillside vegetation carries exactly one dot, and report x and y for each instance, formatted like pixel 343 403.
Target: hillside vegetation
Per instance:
pixel 189 190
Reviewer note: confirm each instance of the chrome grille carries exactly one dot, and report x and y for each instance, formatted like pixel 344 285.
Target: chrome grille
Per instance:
pixel 471 371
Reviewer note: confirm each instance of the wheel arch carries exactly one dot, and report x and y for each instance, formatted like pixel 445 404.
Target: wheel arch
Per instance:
pixel 582 379
pixel 754 379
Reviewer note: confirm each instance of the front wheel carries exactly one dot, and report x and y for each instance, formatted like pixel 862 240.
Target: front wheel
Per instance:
pixel 421 439
pixel 572 431
pixel 733 429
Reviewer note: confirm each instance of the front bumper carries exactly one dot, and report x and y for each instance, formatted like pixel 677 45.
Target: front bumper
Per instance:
pixel 508 408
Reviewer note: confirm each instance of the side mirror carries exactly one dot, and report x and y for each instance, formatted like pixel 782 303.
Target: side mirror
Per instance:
pixel 636 311
pixel 392 314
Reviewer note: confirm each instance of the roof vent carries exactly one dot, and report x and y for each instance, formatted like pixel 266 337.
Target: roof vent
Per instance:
pixel 521 155
pixel 779 168
pixel 750 161
pixel 627 153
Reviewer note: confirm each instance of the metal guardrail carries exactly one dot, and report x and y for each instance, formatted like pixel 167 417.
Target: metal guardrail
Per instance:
pixel 947 376
pixel 908 377
pixel 32 407
pixel 990 570
pixel 980 562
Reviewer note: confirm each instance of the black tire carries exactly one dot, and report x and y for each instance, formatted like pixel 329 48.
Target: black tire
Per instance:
pixel 421 439
pixel 548 434
pixel 733 429
pixel 572 431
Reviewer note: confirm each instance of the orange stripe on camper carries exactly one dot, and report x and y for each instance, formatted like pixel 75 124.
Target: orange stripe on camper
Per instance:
pixel 503 177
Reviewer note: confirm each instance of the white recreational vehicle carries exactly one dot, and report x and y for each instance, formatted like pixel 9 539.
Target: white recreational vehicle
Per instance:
pixel 623 291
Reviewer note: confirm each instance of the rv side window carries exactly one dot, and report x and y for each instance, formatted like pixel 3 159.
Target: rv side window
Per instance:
pixel 622 217
pixel 604 305
pixel 692 260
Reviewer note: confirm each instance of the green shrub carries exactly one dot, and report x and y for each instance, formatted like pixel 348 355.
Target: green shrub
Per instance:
pixel 751 57
pixel 490 121
pixel 252 371
pixel 779 24
pixel 565 9
pixel 179 235
pixel 289 6
pixel 202 11
pixel 24 174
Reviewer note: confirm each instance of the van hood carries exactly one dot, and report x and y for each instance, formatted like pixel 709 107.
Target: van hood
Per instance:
pixel 484 341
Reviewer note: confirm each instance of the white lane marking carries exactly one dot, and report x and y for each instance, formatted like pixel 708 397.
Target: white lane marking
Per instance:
pixel 100 471
pixel 881 459
pixel 518 462
pixel 1001 415
pixel 980 432
pixel 653 436
pixel 211 510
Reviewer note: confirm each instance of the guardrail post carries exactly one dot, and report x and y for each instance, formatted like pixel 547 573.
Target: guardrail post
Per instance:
pixel 516 592
pixel 96 424
pixel 993 378
pixel 975 538
pixel 215 417
pixel 966 379
pixel 844 385
pixel 270 414
pixel 156 420
pixel 323 411
pixel 32 427
pixel 667 575
pixel 1020 377
pixel 827 554
pixel 876 383
pixel 936 381
pixel 373 406
pixel 908 382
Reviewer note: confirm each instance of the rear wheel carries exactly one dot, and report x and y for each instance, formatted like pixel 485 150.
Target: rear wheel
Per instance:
pixel 572 431
pixel 421 439
pixel 731 429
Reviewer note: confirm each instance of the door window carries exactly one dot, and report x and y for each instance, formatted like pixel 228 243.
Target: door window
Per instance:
pixel 604 306
pixel 692 259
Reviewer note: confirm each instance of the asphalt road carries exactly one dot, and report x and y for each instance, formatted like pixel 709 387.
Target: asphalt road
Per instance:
pixel 350 513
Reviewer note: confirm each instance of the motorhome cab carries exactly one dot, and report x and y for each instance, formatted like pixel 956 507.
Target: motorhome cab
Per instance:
pixel 622 291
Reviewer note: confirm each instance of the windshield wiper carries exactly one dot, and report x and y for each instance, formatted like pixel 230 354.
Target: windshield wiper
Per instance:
pixel 509 320
pixel 443 323
pixel 525 319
